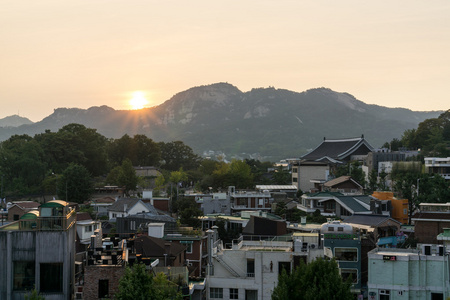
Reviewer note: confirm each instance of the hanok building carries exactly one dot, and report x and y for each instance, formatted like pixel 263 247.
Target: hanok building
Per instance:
pixel 316 167
pixel 38 251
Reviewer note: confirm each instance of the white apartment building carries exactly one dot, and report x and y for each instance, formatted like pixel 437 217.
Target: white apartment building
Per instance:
pixel 250 269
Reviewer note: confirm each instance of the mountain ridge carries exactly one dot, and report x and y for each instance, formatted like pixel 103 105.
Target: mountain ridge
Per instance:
pixel 274 122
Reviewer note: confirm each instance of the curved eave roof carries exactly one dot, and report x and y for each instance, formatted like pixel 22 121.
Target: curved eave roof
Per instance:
pixel 55 203
pixel 336 149
pixel 34 214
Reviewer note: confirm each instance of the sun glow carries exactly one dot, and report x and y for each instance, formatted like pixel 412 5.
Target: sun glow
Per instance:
pixel 138 101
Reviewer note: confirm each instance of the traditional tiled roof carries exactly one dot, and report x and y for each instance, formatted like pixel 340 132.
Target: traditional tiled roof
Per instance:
pixel 338 149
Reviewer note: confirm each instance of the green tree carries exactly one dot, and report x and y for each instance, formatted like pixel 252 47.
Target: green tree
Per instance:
pixel 317 280
pixel 373 180
pixel 177 155
pixel 138 284
pixel 188 212
pixel 75 184
pixel 22 165
pixel 127 177
pixel 280 209
pixel 34 295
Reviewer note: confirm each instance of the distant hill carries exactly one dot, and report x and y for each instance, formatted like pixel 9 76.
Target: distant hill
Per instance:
pixel 275 123
pixel 14 121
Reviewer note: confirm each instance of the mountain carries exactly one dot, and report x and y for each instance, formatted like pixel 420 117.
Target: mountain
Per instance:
pixel 275 123
pixel 14 121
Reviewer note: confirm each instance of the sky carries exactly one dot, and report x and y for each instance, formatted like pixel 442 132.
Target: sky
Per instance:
pixel 81 54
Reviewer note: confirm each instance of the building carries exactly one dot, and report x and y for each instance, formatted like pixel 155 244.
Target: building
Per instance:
pixel 127 206
pixel 345 185
pixel 249 200
pixel 431 220
pixel 334 204
pixel 317 166
pixel 438 165
pixel 18 209
pixel 38 251
pixel 342 243
pixel 399 207
pixel 400 274
pixel 250 268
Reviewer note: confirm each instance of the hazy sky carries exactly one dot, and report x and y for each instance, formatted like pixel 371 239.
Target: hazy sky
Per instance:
pixel 75 53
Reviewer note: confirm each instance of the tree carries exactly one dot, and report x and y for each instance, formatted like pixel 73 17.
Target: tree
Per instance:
pixel 138 284
pixel 178 155
pixel 34 295
pixel 127 177
pixel 188 212
pixel 75 184
pixel 373 179
pixel 21 165
pixel 319 280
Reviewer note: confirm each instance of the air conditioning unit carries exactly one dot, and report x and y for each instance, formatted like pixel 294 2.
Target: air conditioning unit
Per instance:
pixel 313 246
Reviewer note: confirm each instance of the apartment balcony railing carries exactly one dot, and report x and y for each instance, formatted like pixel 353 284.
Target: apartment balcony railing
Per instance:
pixel 49 223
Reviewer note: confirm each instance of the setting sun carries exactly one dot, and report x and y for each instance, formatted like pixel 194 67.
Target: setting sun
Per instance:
pixel 138 101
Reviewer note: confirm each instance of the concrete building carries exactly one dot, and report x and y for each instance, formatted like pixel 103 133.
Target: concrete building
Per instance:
pixel 438 165
pixel 406 274
pixel 249 200
pixel 250 269
pixel 38 251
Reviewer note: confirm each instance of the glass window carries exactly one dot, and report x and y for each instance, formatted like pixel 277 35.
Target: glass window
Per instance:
pixel 234 294
pixel 216 293
pixel 24 275
pixel 88 228
pixel 346 273
pixel 189 248
pixel 346 254
pixel 250 268
pixel 51 277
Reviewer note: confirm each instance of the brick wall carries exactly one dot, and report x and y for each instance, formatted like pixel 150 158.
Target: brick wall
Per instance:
pixel 93 274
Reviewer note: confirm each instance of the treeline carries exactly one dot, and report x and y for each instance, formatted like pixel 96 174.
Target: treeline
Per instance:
pixel 75 159
pixel 432 137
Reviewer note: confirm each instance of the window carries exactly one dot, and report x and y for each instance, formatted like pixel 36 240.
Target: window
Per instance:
pixel 88 228
pixel 346 254
pixel 23 275
pixel 346 273
pixel 251 294
pixel 340 228
pixel 51 277
pixel 16 217
pixel 189 248
pixel 216 293
pixel 103 288
pixel 294 170
pixel 330 228
pixel 294 179
pixel 250 268
pixel 234 294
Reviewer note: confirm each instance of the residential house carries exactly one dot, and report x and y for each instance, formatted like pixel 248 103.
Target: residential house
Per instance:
pixel 333 204
pixel 126 206
pixel 399 207
pixel 249 200
pixel 148 248
pixel 132 224
pixel 85 229
pixel 101 205
pixel 250 268
pixel 438 165
pixel 341 242
pixel 38 251
pixel 345 185
pixel 398 274
pixel 431 220
pixel 18 209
